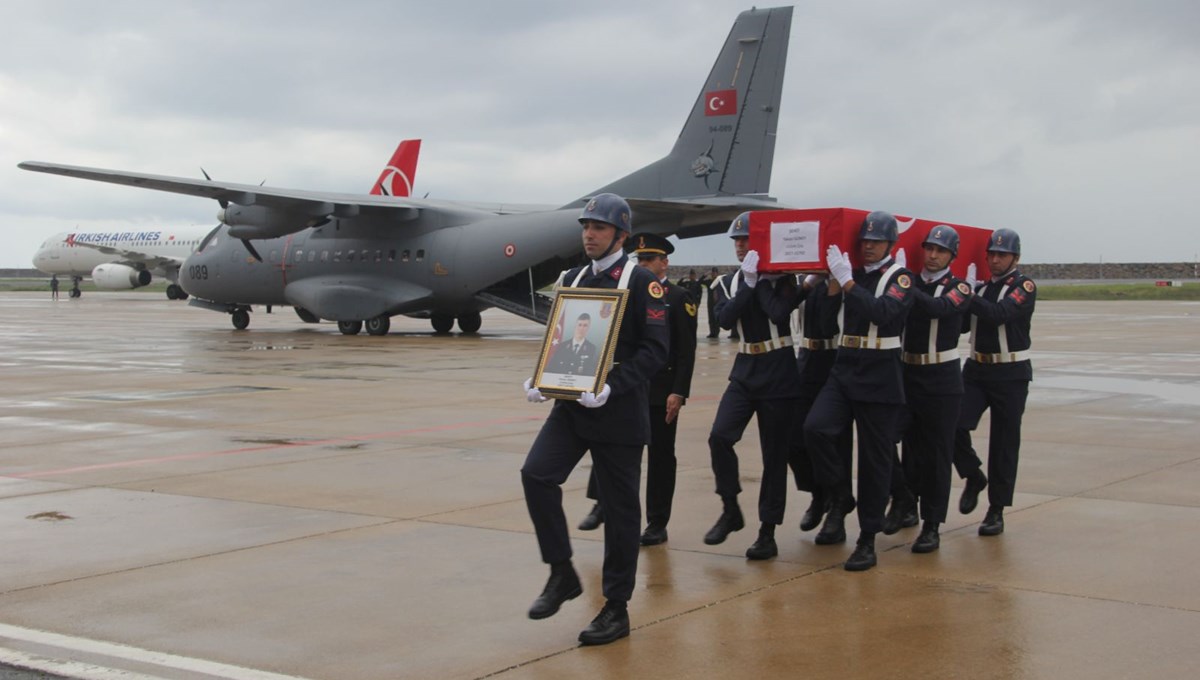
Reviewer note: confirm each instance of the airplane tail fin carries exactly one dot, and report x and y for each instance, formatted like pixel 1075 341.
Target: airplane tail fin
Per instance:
pixel 401 171
pixel 727 145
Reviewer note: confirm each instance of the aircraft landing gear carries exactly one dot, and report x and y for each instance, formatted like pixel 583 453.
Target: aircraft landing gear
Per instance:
pixel 241 319
pixel 379 325
pixel 470 322
pixel 350 327
pixel 442 323
pixel 175 292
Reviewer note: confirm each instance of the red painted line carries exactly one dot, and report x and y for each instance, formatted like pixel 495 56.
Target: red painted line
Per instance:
pixel 271 447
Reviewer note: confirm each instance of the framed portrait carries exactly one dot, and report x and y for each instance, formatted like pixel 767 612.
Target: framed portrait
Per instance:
pixel 581 337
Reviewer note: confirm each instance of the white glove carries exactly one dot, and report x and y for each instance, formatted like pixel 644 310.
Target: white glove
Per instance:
pixel 901 258
pixel 589 400
pixel 533 394
pixel 971 280
pixel 839 265
pixel 750 268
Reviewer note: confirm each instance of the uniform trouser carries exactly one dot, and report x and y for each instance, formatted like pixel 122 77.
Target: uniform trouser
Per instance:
pixel 929 451
pixel 618 470
pixel 714 328
pixel 876 426
pixel 660 468
pixel 1006 399
pixel 774 426
pixel 799 460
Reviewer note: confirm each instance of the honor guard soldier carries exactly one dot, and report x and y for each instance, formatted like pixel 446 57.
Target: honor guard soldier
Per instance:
pixel 933 388
pixel 613 424
pixel 669 389
pixel 865 385
pixel 996 376
pixel 763 382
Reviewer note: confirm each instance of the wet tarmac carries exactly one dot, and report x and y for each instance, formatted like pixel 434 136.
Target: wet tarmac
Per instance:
pixel 182 500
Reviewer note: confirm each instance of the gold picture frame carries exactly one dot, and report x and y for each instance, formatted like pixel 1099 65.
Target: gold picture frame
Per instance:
pixel 581 337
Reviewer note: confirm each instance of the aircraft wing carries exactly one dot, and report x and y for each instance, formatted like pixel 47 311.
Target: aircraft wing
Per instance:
pixel 136 257
pixel 692 217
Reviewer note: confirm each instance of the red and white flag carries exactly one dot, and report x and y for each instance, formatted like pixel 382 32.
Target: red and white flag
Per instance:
pixel 720 103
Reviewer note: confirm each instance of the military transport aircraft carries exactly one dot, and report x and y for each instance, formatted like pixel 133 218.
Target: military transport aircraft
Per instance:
pixel 125 259
pixel 361 260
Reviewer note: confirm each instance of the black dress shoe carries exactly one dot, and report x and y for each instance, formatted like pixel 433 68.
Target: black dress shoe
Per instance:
pixel 970 495
pixel 862 559
pixel 653 535
pixel 729 521
pixel 814 514
pixel 993 522
pixel 902 513
pixel 610 625
pixel 563 585
pixel 928 541
pixel 834 530
pixel 593 520
pixel 763 549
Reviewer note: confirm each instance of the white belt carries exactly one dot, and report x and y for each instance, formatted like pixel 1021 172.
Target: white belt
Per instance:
pixel 942 357
pixel 1001 358
pixel 815 344
pixel 764 346
pixel 867 342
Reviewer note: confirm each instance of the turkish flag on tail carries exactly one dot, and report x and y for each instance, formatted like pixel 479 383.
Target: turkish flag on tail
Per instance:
pixel 720 103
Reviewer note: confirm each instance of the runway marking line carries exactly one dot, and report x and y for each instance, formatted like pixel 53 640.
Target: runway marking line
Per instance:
pixel 271 447
pixel 88 671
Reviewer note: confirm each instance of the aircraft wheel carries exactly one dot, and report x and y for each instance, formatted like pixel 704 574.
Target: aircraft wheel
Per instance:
pixel 172 292
pixel 350 327
pixel 470 323
pixel 183 294
pixel 379 325
pixel 442 323
pixel 241 319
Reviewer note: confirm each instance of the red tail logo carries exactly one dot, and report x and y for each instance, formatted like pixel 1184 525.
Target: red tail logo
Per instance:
pixel 720 103
pixel 398 177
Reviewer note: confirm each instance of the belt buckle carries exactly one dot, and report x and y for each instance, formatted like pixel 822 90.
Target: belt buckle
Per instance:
pixel 757 348
pixel 851 341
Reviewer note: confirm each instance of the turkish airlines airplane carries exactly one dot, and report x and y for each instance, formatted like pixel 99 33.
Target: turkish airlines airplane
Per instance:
pixel 122 260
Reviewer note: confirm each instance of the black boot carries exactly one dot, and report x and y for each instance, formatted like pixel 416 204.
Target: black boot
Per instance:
pixel 902 513
pixel 834 530
pixel 863 557
pixel 610 625
pixel 993 522
pixel 815 512
pixel 730 520
pixel 929 540
pixel 593 520
pixel 563 585
pixel 764 548
pixel 970 495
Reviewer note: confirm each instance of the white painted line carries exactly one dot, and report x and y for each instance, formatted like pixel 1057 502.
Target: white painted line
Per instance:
pixel 118 651
pixel 70 669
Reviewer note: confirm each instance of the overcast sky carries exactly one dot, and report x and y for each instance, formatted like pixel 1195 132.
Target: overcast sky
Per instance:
pixel 1077 123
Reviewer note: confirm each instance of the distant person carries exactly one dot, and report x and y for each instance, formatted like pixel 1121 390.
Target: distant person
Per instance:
pixel 53 286
pixel 613 424
pixel 707 282
pixel 996 376
pixel 577 356
pixel 692 286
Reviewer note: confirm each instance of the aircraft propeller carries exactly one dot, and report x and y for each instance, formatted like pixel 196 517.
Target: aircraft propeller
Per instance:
pixel 225 204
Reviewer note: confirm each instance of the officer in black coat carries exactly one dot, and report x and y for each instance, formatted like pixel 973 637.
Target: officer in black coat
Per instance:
pixel 613 424
pixel 707 283
pixel 933 388
pixel 763 383
pixel 669 389
pixel 865 385
pixel 996 376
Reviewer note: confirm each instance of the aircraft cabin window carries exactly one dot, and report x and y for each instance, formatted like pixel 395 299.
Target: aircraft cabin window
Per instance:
pixel 349 255
pixel 210 239
pixel 420 255
pixel 324 255
pixel 299 256
pixel 404 256
pixel 337 256
pixel 312 256
pixel 392 255
pixel 378 255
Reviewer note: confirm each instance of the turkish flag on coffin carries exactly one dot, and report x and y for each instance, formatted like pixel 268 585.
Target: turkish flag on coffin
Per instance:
pixel 796 240
pixel 720 103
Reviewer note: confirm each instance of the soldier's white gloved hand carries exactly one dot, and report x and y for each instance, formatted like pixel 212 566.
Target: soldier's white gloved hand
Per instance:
pixel 750 268
pixel 590 400
pixel 901 258
pixel 839 265
pixel 533 394
pixel 971 280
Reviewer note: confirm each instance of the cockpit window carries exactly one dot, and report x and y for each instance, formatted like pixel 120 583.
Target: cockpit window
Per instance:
pixel 211 239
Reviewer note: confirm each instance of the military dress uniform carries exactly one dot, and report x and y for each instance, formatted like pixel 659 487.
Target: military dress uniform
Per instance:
pixel 865 386
pixel 614 433
pixel 570 360
pixel 763 383
pixel 996 375
pixel 933 387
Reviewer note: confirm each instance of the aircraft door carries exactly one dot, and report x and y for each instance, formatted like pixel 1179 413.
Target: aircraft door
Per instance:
pixel 442 258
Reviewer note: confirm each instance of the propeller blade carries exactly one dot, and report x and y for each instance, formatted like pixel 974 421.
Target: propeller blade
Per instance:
pixel 246 242
pixel 220 201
